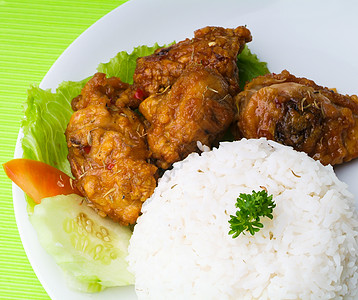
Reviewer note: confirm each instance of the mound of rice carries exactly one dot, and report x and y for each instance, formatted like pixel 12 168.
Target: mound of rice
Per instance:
pixel 181 249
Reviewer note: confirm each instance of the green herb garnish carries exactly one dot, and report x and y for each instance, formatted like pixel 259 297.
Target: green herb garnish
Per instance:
pixel 251 208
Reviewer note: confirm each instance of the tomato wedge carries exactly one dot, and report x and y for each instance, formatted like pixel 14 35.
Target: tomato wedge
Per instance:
pixel 39 180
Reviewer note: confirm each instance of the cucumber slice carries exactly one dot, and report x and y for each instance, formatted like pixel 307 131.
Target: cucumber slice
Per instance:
pixel 90 249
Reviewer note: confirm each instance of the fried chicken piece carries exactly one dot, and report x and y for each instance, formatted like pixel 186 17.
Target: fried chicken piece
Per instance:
pixel 198 107
pixel 214 47
pixel 299 113
pixel 108 154
pixel 99 90
pixel 107 91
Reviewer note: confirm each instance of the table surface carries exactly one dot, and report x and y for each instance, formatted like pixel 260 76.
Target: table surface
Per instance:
pixel 33 34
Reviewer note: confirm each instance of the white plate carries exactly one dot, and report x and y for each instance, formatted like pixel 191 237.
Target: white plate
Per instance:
pixel 315 39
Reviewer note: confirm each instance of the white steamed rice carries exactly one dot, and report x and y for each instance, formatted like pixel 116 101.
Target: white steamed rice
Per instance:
pixel 180 248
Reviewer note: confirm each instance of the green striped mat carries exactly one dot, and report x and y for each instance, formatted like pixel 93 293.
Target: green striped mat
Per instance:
pixel 32 36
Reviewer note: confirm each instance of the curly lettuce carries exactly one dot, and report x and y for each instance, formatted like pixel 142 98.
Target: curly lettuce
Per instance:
pixel 249 66
pixel 123 64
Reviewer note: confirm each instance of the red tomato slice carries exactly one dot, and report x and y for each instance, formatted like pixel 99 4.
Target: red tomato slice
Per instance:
pixel 39 180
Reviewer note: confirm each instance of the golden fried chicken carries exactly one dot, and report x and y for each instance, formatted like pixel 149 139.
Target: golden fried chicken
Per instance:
pixel 189 86
pixel 107 91
pixel 108 153
pixel 99 90
pixel 213 47
pixel 198 107
pixel 298 113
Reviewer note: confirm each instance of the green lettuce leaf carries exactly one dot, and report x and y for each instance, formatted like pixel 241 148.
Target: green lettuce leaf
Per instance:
pixel 46 117
pixel 250 66
pixel 123 64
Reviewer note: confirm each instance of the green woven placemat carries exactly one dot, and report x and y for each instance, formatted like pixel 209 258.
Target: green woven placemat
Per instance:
pixel 33 34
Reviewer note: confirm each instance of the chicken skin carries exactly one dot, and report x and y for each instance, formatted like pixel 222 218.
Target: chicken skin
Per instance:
pixel 299 113
pixel 213 47
pixel 198 107
pixel 108 153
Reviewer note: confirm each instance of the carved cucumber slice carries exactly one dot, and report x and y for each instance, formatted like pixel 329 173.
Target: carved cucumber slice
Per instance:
pixel 90 249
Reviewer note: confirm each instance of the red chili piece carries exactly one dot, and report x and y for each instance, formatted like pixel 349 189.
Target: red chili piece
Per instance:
pixel 110 166
pixel 87 149
pixel 139 94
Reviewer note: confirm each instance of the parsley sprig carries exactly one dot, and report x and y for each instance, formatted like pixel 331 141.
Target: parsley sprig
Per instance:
pixel 251 208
